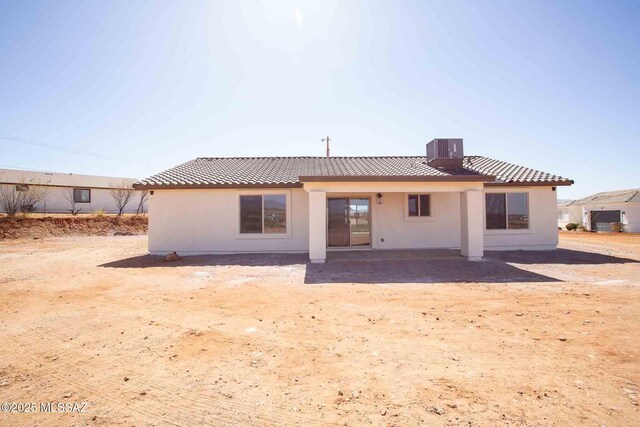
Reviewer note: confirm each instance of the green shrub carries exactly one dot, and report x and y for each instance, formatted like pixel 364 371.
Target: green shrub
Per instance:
pixel 571 226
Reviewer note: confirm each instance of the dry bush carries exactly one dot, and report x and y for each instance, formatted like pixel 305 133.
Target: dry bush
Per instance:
pixel 69 196
pixel 13 201
pixel 121 194
pixel 144 195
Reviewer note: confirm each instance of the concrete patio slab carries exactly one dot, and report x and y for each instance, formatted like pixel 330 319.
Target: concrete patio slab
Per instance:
pixel 396 254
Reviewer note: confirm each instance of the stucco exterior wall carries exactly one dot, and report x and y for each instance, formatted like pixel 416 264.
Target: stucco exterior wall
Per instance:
pixel 630 214
pixel 391 223
pixel 197 221
pixel 100 200
pixel 570 214
pixel 207 221
pixel 543 222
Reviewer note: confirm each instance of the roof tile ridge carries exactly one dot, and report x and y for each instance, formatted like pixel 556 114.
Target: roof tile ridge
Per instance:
pixel 415 156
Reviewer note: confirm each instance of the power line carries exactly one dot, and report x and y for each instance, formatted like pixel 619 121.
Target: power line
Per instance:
pixel 21 140
pixel 25 169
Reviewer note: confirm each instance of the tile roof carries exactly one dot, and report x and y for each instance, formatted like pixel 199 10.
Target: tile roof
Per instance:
pixel 287 171
pixel 510 173
pixel 620 196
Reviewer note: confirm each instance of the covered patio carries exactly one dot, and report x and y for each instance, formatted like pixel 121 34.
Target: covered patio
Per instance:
pixel 455 221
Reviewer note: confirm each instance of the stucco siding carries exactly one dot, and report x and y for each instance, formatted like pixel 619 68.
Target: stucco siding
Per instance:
pixel 543 222
pixel 207 221
pixel 198 221
pixel 630 214
pixel 101 199
pixel 440 230
pixel 570 214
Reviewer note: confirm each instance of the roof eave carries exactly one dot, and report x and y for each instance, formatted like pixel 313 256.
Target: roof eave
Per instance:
pixel 530 183
pixel 399 178
pixel 142 186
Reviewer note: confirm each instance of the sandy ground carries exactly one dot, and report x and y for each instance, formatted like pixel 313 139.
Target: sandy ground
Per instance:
pixel 36 227
pixel 518 339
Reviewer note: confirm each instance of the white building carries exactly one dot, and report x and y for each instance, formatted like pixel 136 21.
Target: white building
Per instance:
pixel 605 208
pixel 91 193
pixel 569 212
pixel 320 204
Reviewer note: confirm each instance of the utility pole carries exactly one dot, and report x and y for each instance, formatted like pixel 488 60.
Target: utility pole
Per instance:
pixel 327 140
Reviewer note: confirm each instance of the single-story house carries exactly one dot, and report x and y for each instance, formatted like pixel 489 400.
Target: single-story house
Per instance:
pixel 597 211
pixel 317 204
pixel 88 193
pixel 569 212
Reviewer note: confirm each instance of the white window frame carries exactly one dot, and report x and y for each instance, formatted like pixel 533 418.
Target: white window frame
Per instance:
pixel 405 208
pixel 508 230
pixel 263 192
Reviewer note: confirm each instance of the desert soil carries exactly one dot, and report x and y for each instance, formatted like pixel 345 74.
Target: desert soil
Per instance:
pixel 519 339
pixel 37 226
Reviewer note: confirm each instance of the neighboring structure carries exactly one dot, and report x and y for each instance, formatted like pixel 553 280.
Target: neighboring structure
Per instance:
pixel 598 211
pixel 90 193
pixel 569 212
pixel 314 204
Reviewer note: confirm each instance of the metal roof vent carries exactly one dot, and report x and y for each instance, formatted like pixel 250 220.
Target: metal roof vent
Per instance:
pixel 445 153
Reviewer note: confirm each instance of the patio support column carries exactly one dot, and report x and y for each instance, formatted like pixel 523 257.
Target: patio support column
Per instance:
pixel 471 224
pixel 317 226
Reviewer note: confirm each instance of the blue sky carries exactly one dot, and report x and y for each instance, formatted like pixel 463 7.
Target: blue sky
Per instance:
pixel 146 85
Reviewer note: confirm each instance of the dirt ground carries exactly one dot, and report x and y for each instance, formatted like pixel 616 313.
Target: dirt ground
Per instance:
pixel 38 226
pixel 547 338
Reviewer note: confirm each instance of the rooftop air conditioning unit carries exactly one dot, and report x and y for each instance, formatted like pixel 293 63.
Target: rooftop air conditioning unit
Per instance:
pixel 445 153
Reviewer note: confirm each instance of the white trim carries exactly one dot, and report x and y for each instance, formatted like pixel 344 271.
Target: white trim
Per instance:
pixel 248 252
pixel 405 208
pixel 260 236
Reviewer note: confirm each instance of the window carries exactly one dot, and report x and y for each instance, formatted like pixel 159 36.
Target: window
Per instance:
pixel 507 211
pixel 82 195
pixel 563 216
pixel 275 213
pixel 517 211
pixel 419 205
pixel 496 211
pixel 265 214
pixel 22 187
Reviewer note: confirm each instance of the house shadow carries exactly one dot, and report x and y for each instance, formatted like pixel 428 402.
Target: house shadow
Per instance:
pixel 377 267
pixel 419 271
pixel 351 270
pixel 446 266
pixel 250 260
pixel 558 256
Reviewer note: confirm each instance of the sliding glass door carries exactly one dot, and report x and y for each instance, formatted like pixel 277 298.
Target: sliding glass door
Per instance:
pixel 348 222
pixel 338 222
